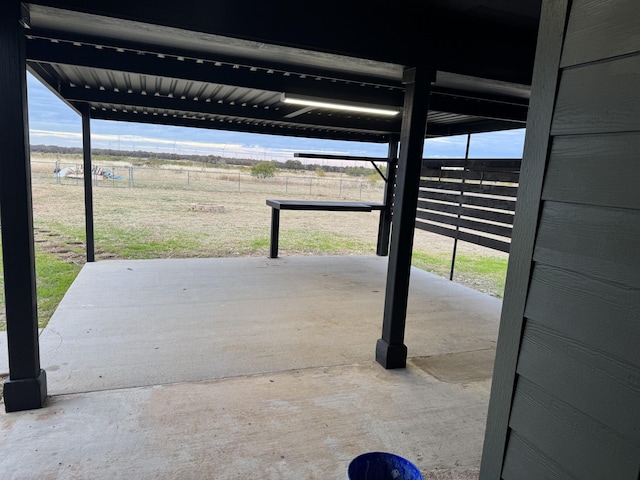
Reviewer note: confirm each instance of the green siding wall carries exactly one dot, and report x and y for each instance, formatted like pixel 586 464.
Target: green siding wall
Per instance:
pixel 574 408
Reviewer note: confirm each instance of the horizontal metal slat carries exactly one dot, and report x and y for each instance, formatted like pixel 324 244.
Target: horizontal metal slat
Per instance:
pixel 493 216
pixel 497 190
pixel 492 176
pixel 453 197
pixel 464 236
pixel 465 223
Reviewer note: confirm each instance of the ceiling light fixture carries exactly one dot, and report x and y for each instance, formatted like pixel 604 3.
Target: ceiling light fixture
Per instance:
pixel 351 107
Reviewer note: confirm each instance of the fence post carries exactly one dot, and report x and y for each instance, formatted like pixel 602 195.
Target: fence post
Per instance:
pixel 360 189
pixel 188 178
pixel 130 176
pixel 286 185
pixel 340 194
pixel 460 200
pixel 238 182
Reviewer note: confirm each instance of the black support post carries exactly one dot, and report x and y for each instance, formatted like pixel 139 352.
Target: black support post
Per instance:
pixel 275 232
pixel 390 349
pixel 26 387
pixel 88 183
pixel 384 228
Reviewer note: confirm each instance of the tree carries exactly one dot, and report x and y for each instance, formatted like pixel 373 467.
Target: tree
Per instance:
pixel 293 165
pixel 263 170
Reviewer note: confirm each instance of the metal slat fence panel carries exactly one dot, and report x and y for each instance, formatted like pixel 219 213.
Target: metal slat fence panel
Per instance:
pixel 475 204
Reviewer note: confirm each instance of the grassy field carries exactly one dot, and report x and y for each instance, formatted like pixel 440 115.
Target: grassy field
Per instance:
pixel 155 220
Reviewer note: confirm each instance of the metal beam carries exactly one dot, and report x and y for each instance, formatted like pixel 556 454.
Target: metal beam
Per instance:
pixel 314 26
pixel 353 158
pixel 252 126
pixel 26 387
pixel 480 126
pixel 390 349
pixel 478 107
pixel 495 115
pixel 307 25
pixel 63 53
pixel 298 129
pixel 248 119
pixel 247 113
pixel 48 79
pixel 459 103
pixel 238 60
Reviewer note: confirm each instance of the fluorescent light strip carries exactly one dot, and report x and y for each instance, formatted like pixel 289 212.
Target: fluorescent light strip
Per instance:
pixel 338 106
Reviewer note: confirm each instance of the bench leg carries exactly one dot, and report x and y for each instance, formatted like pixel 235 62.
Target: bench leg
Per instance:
pixel 384 232
pixel 275 231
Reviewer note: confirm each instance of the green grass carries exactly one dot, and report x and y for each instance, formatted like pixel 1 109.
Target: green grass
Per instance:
pixel 134 243
pixel 310 241
pixel 53 279
pixel 140 243
pixel 484 273
pixel 259 243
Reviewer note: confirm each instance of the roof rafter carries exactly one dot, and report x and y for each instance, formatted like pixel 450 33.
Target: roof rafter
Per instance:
pixel 241 111
pixel 289 130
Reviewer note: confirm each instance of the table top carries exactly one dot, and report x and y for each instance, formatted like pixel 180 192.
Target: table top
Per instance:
pixel 323 205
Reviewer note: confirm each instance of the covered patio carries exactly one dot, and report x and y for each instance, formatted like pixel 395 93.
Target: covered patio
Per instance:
pixel 183 71
pixel 235 368
pixel 564 387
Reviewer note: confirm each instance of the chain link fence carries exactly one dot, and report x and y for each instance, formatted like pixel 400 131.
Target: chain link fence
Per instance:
pixel 207 179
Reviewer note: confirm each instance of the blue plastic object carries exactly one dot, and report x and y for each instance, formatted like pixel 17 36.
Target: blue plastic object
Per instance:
pixel 382 466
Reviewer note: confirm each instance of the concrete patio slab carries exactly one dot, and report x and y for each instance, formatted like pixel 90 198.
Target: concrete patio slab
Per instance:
pixel 243 368
pixel 148 322
pixel 302 424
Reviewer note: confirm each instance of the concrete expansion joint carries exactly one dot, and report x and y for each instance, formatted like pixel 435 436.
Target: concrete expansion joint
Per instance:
pixel 217 379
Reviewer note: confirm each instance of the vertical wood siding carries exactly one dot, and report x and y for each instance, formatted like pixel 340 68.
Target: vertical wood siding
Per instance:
pixel 575 411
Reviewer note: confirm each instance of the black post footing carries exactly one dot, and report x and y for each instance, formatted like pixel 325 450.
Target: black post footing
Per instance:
pixel 391 356
pixel 25 394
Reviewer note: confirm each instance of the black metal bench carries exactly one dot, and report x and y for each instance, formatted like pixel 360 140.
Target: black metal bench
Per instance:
pixel 328 206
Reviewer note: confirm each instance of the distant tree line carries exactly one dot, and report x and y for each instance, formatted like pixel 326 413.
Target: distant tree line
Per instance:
pixel 205 159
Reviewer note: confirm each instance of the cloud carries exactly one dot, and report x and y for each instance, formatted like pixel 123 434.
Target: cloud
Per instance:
pixel 138 142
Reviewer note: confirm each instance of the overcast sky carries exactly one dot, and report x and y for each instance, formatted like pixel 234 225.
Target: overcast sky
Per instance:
pixel 52 122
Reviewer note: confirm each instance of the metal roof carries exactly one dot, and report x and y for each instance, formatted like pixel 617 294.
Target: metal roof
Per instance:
pixel 143 65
